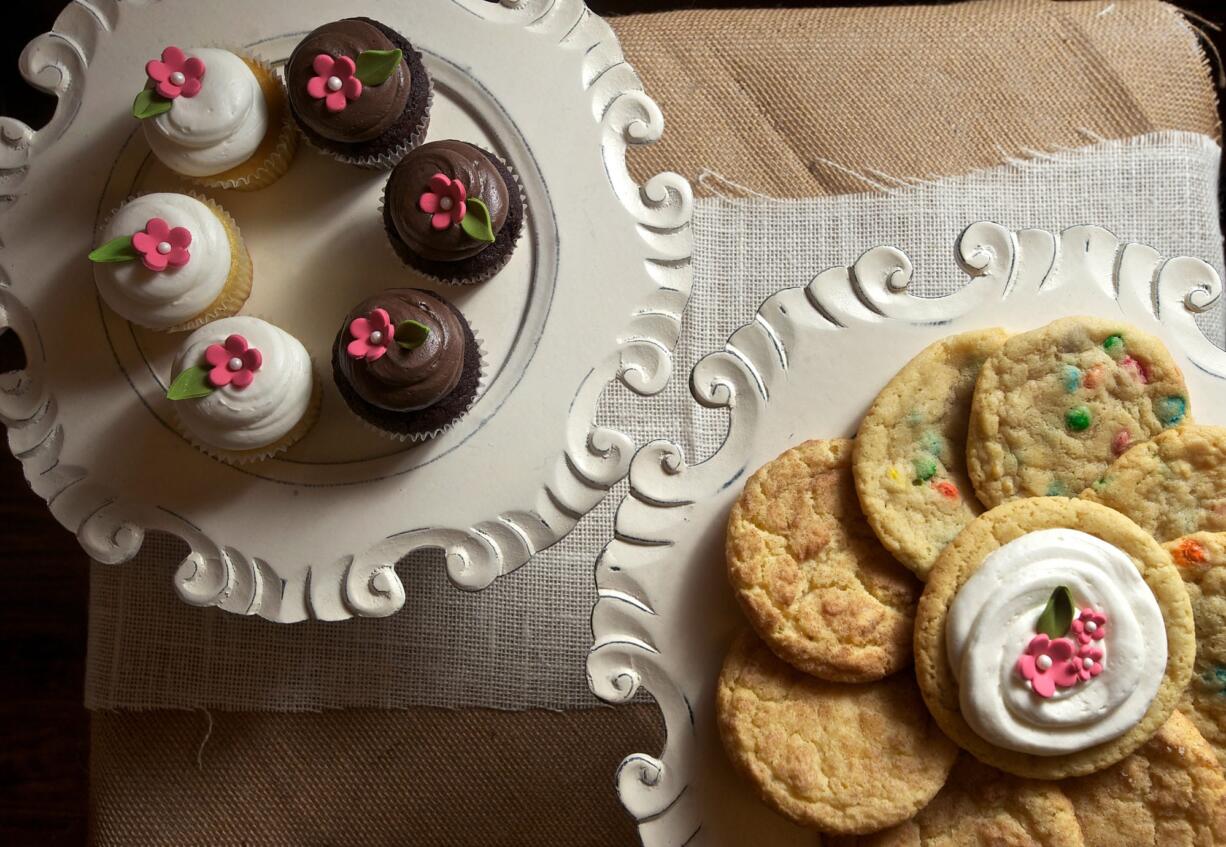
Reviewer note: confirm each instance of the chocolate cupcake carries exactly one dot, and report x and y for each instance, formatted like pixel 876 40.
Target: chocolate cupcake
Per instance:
pixel 453 212
pixel 359 91
pixel 407 363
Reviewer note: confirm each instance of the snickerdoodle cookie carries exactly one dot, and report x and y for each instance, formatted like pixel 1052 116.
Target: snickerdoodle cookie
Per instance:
pixel 834 756
pixel 814 581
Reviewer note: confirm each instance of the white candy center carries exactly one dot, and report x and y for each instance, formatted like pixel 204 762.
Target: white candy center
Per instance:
pixel 376 337
pixel 334 83
pixel 235 364
pixel 1091 626
pixel 1087 662
pixel 1044 662
pixel 444 203
pixel 163 247
pixel 177 78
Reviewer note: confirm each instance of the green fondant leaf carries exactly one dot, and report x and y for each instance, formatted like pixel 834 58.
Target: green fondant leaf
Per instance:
pixel 476 221
pixel 375 66
pixel 116 250
pixel 1058 614
pixel 411 334
pixel 149 104
pixel 190 385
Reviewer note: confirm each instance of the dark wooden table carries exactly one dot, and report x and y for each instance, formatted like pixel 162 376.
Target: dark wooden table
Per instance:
pixel 44 583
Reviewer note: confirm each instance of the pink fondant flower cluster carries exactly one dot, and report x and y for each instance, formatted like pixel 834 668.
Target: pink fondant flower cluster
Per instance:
pixel 161 246
pixel 176 74
pixel 234 362
pixel 444 201
pixel 1051 663
pixel 371 335
pixel 334 81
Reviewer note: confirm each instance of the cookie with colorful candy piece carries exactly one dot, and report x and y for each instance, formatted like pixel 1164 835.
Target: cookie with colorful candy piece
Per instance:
pixel 1201 559
pixel 1054 407
pixel 1171 486
pixel 910 453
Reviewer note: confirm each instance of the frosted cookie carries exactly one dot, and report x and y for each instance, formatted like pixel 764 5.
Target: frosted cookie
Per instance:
pixel 1201 559
pixel 1053 638
pixel 981 805
pixel 1171 486
pixel 242 389
pixel 1169 792
pixel 1055 406
pixel 840 758
pixel 216 117
pixel 910 453
pixel 171 262
pixel 810 575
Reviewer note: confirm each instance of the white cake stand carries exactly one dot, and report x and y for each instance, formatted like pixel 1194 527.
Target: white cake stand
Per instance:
pixel 807 366
pixel 594 292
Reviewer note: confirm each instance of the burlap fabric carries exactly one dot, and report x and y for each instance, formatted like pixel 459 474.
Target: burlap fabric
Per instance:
pixel 801 103
pixel 789 103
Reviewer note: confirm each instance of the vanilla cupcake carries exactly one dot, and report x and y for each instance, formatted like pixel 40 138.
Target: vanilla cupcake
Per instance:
pixel 218 118
pixel 243 389
pixel 171 262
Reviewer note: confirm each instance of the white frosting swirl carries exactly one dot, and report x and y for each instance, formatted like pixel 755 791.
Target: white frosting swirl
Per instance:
pixel 992 620
pixel 162 299
pixel 256 416
pixel 222 126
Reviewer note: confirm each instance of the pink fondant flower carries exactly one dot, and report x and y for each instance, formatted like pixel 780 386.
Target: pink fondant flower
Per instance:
pixel 1047 664
pixel 444 201
pixel 234 363
pixel 1089 626
pixel 176 73
pixel 1089 662
pixel 371 335
pixel 159 245
pixel 334 82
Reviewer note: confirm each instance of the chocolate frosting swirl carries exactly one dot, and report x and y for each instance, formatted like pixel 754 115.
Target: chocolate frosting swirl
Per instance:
pixel 379 106
pixel 407 380
pixel 411 178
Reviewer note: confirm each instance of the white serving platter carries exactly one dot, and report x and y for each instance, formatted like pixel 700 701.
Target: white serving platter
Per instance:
pixel 594 293
pixel 808 365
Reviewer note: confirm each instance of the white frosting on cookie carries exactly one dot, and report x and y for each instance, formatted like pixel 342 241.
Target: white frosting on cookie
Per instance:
pixel 162 299
pixel 218 128
pixel 992 620
pixel 248 418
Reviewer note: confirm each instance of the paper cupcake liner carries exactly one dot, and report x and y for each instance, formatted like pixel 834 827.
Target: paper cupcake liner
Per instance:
pixel 238 283
pixel 489 272
pixel 420 437
pixel 273 157
pixel 246 457
pixel 237 289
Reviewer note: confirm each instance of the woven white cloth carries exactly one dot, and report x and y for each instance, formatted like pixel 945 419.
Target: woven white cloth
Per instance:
pixel 522 642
